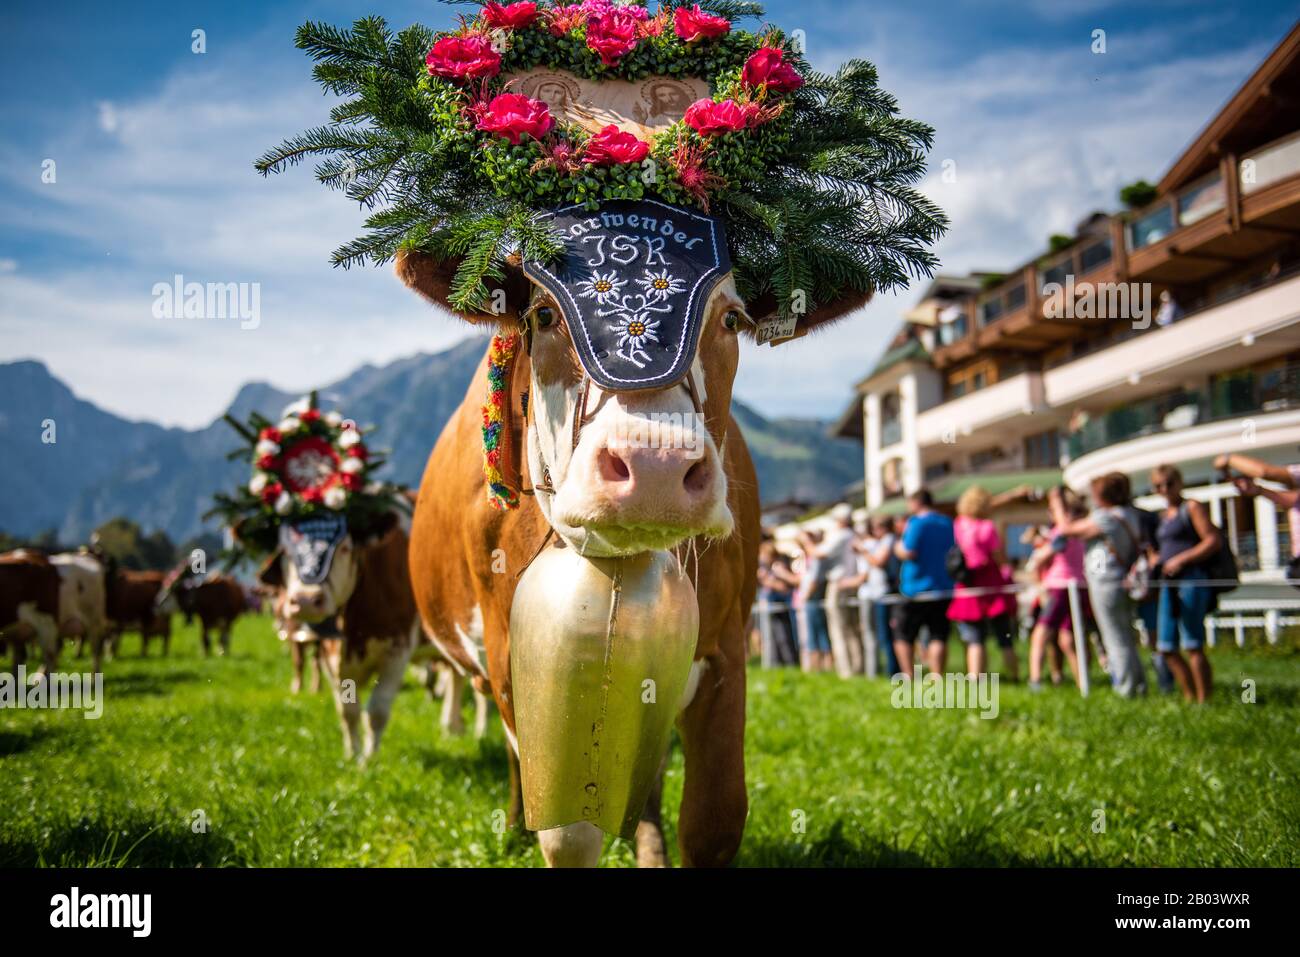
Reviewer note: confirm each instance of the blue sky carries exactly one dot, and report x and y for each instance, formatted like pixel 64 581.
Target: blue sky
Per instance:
pixel 153 146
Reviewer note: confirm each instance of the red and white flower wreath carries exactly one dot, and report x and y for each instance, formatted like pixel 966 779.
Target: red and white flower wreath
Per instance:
pixel 308 459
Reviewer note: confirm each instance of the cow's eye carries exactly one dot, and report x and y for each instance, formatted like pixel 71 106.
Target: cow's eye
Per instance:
pixel 731 320
pixel 544 317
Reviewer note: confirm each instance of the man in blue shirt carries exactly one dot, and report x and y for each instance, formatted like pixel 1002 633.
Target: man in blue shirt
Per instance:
pixel 923 550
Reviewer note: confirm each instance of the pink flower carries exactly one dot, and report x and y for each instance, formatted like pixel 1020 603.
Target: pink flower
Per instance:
pixel 512 115
pixel 463 58
pixel 768 66
pixel 514 16
pixel 694 24
pixel 612 146
pixel 708 118
pixel 612 35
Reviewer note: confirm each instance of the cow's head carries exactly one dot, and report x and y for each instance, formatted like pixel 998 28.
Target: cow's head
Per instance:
pixel 316 566
pixel 632 346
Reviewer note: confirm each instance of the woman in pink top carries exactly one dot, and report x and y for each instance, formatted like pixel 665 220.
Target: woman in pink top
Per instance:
pixel 1064 565
pixel 977 607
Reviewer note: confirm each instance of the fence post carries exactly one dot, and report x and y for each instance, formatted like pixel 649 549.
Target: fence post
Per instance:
pixel 1080 634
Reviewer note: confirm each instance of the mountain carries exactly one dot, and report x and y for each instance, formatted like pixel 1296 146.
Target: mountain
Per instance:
pixel 100 465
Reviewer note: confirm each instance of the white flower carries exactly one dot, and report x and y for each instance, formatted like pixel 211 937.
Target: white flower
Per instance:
pixel 296 408
pixel 349 438
pixel 267 447
pixel 284 504
pixel 601 288
pixel 333 419
pixel 289 425
pixel 336 497
pixel 257 484
pixel 660 285
pixel 352 465
pixel 374 488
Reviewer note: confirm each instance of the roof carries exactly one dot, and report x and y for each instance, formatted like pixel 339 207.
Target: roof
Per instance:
pixel 996 483
pixel 912 349
pixel 1262 102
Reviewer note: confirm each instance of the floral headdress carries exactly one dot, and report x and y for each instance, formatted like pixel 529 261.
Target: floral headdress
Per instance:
pixel 811 173
pixel 309 464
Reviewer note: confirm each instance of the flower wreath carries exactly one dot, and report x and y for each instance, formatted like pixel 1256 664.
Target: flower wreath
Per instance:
pixel 309 463
pixel 812 174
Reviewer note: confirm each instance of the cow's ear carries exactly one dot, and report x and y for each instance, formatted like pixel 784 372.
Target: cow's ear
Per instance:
pixel 764 310
pixel 271 573
pixel 432 278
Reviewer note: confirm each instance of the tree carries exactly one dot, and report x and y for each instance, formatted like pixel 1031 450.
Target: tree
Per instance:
pixel 1137 194
pixel 122 540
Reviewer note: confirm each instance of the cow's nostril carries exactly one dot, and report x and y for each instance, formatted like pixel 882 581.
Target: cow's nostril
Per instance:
pixel 613 468
pixel 698 477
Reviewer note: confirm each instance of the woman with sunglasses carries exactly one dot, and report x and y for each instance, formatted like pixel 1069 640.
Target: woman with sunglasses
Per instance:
pixel 1187 539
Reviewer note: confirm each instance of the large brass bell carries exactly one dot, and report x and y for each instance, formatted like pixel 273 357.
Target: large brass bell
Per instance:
pixel 600 653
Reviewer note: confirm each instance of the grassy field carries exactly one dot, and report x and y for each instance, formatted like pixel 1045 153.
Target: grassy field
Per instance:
pixel 836 775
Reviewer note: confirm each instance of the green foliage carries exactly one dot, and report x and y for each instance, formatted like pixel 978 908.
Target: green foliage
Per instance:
pixel 818 198
pixel 1059 241
pixel 123 541
pixel 1137 194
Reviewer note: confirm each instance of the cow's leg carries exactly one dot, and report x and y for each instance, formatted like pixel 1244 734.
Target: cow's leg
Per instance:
pixel 225 638
pixel 574 845
pixel 515 813
pixel 391 672
pixel 318 672
pixel 712 727
pixel 296 654
pixel 347 699
pixel 650 849
pixel 453 694
pixel 480 713
pixel 99 642
pixel 203 636
pixel 50 642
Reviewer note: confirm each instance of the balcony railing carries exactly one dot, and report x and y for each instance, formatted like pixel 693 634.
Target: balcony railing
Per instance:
pixel 1242 394
pixel 1274 162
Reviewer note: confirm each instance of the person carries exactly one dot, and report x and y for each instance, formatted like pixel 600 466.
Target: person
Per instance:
pixel 1062 564
pixel 811 602
pixel 977 607
pixel 924 583
pixel 776 582
pixel 1169 311
pixel 1113 546
pixel 1288 476
pixel 874 549
pixel 839 560
pixel 1187 539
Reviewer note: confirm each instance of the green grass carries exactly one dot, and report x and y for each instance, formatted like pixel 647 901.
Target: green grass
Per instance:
pixel 836 775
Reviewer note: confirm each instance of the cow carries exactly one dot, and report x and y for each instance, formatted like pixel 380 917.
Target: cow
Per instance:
pixel 83 602
pixel 304 641
pixel 136 602
pixel 217 600
pixel 29 606
pixel 605 498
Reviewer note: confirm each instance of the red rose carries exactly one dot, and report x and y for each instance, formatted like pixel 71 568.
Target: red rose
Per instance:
pixel 358 451
pixel 463 58
pixel 311 415
pixel 767 66
pixel 270 434
pixel 314 493
pixel 351 482
pixel 612 36
pixel 266 462
pixel 512 115
pixel 708 118
pixel 612 146
pixel 694 24
pixel 271 492
pixel 514 16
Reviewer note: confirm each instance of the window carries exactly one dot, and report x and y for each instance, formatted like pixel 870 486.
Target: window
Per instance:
pixel 1016 298
pixel 1094 256
pixel 1043 450
pixel 935 472
pixel 982 460
pixel 1057 274
pixel 1152 227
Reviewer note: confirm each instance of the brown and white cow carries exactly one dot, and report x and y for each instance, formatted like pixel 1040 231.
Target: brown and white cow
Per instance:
pixel 133 604
pixel 29 606
pixel 605 497
pixel 83 602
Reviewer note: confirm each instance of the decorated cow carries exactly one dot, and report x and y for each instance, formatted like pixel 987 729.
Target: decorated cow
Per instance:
pixel 620 195
pixel 334 543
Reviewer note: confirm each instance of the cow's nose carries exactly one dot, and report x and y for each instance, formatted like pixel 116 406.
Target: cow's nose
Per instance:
pixel 629 471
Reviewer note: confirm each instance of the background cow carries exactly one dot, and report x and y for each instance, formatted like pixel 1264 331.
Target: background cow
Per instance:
pixel 83 602
pixel 133 604
pixel 29 606
pixel 605 498
pixel 217 601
